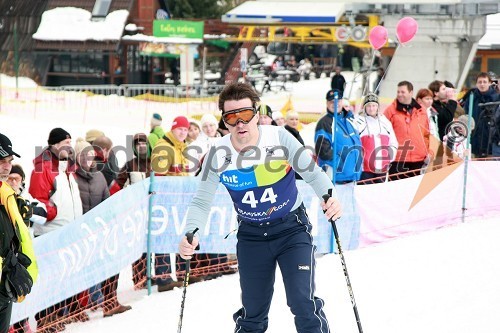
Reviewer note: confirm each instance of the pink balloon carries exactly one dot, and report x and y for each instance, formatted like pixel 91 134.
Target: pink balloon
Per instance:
pixel 378 37
pixel 406 29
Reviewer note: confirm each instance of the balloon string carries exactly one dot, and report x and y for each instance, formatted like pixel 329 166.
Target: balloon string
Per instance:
pixel 387 69
pixel 369 71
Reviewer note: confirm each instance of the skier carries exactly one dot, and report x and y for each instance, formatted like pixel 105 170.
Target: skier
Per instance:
pixel 256 164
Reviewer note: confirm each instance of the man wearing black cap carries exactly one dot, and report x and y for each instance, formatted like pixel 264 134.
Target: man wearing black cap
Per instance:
pixel 346 139
pixel 52 182
pixel 340 155
pixel 17 258
pixel 6 156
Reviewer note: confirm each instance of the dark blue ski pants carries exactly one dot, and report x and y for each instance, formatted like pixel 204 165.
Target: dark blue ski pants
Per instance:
pixel 288 243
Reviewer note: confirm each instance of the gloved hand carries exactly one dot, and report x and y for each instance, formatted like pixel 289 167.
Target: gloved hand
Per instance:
pixel 38 210
pixel 26 210
pixel 18 281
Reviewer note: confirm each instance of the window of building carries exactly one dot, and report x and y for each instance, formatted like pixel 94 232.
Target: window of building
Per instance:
pixel 65 63
pixel 101 9
pixel 494 65
pixel 56 65
pixel 75 60
pixel 87 63
pixel 475 69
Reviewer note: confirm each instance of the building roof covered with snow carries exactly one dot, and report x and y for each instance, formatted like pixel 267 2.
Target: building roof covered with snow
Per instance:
pixel 82 25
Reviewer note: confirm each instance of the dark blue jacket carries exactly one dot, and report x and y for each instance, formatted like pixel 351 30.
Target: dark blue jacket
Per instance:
pixel 483 118
pixel 347 142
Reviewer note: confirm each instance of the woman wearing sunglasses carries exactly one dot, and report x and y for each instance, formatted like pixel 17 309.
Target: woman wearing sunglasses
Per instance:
pixel 256 164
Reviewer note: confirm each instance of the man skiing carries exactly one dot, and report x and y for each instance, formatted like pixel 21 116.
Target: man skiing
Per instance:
pixel 256 164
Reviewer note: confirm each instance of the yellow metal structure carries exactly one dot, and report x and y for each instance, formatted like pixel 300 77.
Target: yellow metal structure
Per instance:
pixel 308 34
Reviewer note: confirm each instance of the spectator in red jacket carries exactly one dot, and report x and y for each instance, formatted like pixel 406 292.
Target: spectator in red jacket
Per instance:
pixel 411 125
pixel 53 183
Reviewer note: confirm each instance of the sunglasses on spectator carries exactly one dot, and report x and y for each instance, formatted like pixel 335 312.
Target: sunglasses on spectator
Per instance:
pixel 245 115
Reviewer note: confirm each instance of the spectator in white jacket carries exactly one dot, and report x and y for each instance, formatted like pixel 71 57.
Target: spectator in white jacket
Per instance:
pixel 377 139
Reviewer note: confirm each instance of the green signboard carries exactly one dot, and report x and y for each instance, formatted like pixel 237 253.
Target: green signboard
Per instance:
pixel 179 29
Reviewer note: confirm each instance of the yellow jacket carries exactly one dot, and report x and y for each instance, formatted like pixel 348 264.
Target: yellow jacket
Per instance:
pixel 168 158
pixel 8 200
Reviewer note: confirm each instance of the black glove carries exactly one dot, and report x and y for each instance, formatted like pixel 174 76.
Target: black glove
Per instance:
pixel 18 281
pixel 26 210
pixel 38 210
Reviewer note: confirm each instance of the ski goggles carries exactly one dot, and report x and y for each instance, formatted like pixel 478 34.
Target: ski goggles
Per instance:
pixel 244 115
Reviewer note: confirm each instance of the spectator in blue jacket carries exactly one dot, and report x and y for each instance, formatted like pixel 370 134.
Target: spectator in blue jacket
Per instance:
pixel 340 155
pixel 347 143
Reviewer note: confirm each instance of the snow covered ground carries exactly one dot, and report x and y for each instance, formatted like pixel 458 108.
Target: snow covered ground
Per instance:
pixel 445 281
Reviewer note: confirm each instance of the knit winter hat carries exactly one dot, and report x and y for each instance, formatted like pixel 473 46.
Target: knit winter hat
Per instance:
pixel 265 110
pixel 82 145
pixel 57 135
pixel 180 121
pixel 370 98
pixel 140 137
pixel 93 134
pixel 156 120
pixel 16 168
pixel 208 118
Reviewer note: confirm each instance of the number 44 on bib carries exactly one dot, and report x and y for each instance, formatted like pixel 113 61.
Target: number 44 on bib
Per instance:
pixel 267 195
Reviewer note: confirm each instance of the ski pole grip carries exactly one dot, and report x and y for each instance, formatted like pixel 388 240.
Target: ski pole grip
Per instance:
pixel 326 197
pixel 190 235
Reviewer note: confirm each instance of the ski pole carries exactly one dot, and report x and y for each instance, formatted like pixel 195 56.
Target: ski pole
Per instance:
pixel 189 236
pixel 344 266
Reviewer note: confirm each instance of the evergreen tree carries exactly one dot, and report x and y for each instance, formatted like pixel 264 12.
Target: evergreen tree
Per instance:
pixel 181 9
pixel 209 9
